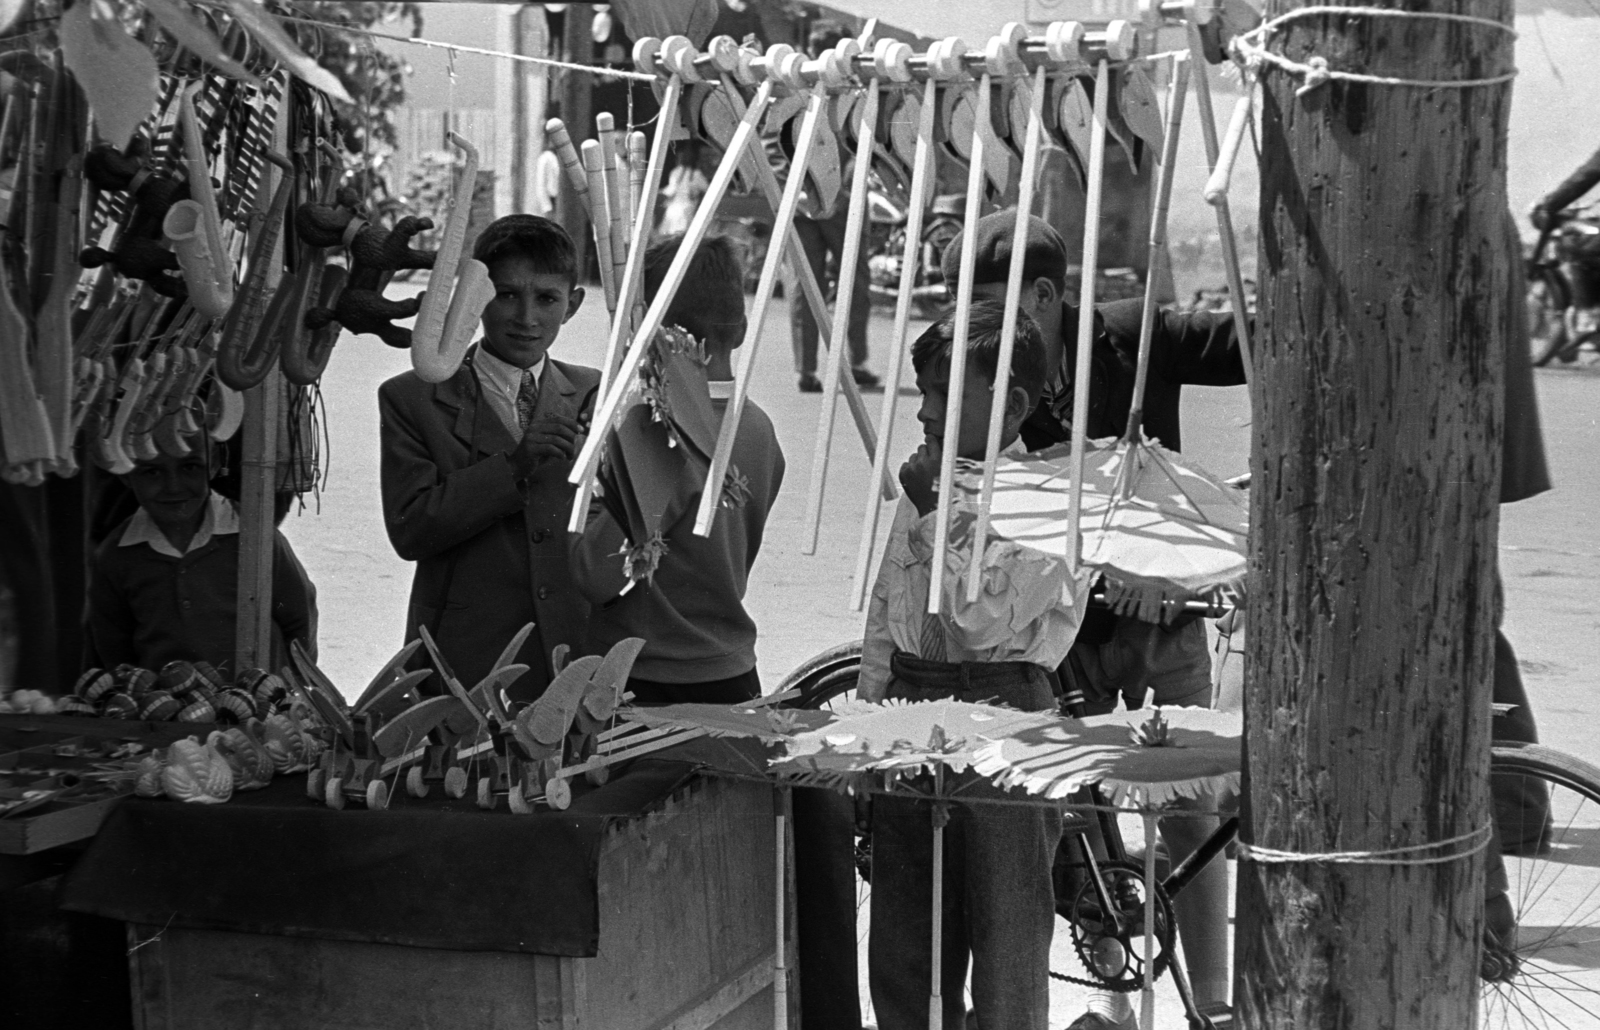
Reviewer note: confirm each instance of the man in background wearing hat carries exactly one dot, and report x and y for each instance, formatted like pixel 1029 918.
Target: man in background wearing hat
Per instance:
pixel 1116 655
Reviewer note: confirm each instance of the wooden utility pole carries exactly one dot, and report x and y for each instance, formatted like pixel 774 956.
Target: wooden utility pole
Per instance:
pixel 1376 467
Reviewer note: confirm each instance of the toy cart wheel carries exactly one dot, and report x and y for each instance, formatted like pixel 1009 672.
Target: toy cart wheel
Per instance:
pixel 377 795
pixel 518 801
pixel 455 782
pixel 314 784
pixel 333 792
pixel 598 776
pixel 485 793
pixel 414 785
pixel 558 793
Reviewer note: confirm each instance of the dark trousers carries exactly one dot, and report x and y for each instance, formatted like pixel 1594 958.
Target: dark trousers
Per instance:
pixel 1521 804
pixel 998 905
pixel 744 687
pixel 821 239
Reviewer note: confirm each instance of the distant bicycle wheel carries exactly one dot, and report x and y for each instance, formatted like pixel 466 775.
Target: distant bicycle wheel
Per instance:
pixel 1548 974
pixel 1548 300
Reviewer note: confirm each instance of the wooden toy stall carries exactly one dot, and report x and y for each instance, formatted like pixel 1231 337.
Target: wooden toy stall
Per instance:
pixel 678 869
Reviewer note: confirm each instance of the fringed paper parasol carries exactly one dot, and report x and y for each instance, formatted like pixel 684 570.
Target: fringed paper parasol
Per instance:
pixel 1159 530
pixel 1199 756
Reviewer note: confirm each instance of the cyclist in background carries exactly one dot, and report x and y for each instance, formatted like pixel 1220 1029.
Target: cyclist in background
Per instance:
pixel 1576 185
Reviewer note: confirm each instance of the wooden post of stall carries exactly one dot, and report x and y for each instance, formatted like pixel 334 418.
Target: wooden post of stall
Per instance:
pixel 1376 468
pixel 577 97
pixel 258 480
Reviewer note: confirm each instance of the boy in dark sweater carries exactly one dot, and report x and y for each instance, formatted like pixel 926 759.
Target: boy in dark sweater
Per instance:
pixel 164 585
pixel 699 640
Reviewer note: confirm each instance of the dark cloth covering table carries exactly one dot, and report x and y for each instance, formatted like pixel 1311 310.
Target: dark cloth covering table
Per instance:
pixel 427 873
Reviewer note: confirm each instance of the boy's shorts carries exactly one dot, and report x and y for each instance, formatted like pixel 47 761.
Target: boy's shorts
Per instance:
pixel 1138 657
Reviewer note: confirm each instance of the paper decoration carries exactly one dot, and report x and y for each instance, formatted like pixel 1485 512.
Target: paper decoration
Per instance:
pixel 269 33
pixel 197 39
pixel 118 74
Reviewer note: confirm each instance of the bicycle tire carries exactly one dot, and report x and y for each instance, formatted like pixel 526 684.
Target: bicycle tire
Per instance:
pixel 1548 298
pixel 1555 892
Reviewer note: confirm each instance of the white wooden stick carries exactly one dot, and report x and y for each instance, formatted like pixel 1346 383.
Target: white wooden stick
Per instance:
pixel 594 166
pixel 1158 250
pixel 1147 1001
pixel 767 180
pixel 1222 173
pixel 627 754
pixel 1008 331
pixel 935 986
pixel 836 364
pixel 633 273
pixel 922 183
pixel 618 195
pixel 1230 245
pixel 958 349
pixel 1091 259
pixel 638 161
pixel 559 140
pixel 611 407
pixel 711 495
pixel 780 955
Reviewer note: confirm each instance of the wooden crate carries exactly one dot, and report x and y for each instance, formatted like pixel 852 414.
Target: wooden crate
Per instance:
pixel 687 934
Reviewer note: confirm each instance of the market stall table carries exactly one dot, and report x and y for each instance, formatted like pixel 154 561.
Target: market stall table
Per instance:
pixel 646 904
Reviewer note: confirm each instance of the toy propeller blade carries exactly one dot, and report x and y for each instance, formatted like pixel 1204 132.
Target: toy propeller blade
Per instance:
pixel 412 725
pixel 487 693
pixel 450 681
pixel 514 648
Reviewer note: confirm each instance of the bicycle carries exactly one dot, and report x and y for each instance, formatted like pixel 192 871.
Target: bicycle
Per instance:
pixel 1547 976
pixel 1563 294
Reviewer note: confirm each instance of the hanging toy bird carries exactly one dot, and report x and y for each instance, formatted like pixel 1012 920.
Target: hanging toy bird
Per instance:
pixel 375 255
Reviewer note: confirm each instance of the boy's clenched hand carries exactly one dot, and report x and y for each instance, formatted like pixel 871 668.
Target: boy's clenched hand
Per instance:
pixel 548 444
pixel 919 475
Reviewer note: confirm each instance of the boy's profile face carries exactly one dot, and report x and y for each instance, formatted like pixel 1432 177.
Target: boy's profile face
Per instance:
pixel 172 490
pixel 528 310
pixel 971 441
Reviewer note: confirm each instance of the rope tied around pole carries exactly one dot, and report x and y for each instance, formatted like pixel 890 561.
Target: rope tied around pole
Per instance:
pixel 1468 844
pixel 1250 50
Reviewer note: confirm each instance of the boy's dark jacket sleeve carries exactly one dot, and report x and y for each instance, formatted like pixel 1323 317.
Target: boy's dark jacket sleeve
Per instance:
pixel 1186 348
pixel 427 511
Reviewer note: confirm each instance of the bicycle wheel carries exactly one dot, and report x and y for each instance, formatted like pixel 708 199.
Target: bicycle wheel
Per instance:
pixel 1548 300
pixel 1553 976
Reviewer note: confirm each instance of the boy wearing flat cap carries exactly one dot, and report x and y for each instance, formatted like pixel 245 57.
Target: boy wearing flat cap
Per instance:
pixel 1115 655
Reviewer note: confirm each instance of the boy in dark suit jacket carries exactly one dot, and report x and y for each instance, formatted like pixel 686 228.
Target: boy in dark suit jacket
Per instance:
pixel 474 469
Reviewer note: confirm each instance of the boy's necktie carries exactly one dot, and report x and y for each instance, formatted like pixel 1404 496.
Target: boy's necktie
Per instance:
pixel 527 397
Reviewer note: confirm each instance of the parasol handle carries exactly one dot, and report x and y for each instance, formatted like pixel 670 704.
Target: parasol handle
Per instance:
pixel 1158 246
pixel 1091 259
pixel 958 348
pixel 922 183
pixel 1222 172
pixel 1008 331
pixel 834 368
pixel 711 493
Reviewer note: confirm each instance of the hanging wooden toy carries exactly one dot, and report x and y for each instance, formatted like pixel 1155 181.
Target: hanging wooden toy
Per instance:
pixel 375 254
pixel 451 308
pixel 194 225
pixel 248 348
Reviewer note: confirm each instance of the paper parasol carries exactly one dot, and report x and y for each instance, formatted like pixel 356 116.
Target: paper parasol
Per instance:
pixel 1202 757
pixel 1171 534
pixel 868 739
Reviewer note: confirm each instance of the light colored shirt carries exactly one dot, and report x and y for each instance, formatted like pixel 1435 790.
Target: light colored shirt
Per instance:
pixel 721 389
pixel 220 519
pixel 501 382
pixel 1028 610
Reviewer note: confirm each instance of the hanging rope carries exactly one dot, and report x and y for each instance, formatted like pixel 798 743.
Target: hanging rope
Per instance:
pixel 1468 843
pixel 1250 48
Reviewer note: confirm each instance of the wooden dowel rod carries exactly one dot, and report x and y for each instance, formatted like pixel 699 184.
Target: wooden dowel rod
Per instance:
pixel 594 165
pixel 711 495
pixel 935 987
pixel 780 959
pixel 1222 173
pixel 1158 248
pixel 618 195
pixel 611 407
pixel 922 182
pixel 560 141
pixel 836 364
pixel 958 351
pixel 1032 142
pixel 1147 1001
pixel 633 272
pixel 1230 244
pixel 1091 259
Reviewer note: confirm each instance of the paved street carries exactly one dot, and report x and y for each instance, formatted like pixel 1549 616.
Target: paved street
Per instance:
pixel 1550 546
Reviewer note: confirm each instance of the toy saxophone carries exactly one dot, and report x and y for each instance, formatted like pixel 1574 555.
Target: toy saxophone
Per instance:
pixel 195 227
pixel 448 317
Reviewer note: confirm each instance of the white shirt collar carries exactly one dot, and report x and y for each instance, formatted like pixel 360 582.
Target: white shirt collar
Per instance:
pixel 221 519
pixel 721 389
pixel 503 375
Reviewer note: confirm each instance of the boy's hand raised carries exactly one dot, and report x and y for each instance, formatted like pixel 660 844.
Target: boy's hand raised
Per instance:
pixel 548 444
pixel 918 476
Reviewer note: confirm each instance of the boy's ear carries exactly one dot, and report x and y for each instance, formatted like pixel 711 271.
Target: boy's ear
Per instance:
pixel 1045 292
pixel 574 302
pixel 1017 407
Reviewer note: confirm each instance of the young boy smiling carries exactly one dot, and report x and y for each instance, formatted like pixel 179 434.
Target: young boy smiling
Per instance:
pixel 474 469
pixel 999 898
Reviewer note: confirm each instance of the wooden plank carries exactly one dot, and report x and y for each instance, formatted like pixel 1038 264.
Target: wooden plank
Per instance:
pixel 26 835
pixel 709 1009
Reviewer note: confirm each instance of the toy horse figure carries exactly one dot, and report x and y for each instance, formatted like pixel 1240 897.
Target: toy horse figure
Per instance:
pixel 139 252
pixel 375 255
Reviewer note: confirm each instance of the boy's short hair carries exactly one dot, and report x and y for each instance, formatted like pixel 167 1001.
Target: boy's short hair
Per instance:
pixel 710 303
pixel 1045 257
pixel 983 346
pixel 541 241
